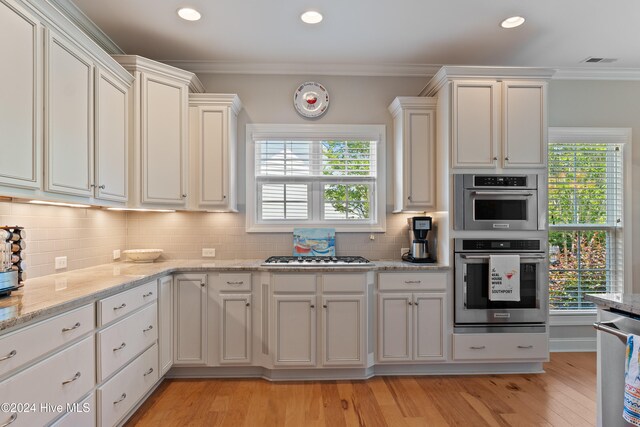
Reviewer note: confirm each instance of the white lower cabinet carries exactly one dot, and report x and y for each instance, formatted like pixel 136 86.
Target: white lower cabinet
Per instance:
pixel 58 380
pixel 80 414
pixel 501 346
pixel 165 324
pixel 343 329
pixel 190 323
pixel 235 329
pixel 122 341
pixel 340 320
pixel 411 325
pixel 122 392
pixel 295 330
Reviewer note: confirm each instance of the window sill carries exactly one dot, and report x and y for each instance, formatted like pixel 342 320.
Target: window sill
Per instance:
pixel 342 228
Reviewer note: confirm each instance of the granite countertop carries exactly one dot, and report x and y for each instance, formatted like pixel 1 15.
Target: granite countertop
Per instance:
pixel 629 303
pixel 48 295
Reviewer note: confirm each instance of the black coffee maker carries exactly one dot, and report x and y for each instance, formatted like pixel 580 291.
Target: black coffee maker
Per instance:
pixel 419 227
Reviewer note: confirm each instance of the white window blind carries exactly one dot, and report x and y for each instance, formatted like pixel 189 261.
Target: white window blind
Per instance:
pixel 585 191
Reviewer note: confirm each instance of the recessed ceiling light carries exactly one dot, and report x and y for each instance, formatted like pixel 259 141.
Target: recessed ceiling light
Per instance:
pixel 189 14
pixel 311 17
pixel 514 21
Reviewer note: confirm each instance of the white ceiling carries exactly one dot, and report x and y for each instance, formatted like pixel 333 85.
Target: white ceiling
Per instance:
pixel 362 33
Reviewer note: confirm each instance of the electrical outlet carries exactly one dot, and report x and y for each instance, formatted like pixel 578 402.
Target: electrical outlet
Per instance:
pixel 403 251
pixel 116 254
pixel 61 262
pixel 372 237
pixel 208 252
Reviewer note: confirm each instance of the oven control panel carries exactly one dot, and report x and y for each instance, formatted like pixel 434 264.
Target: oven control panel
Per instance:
pixel 499 181
pixel 490 245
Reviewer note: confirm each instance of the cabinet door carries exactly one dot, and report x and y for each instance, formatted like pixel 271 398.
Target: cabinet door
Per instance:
pixel 524 124
pixel 69 121
pixel 475 132
pixel 429 323
pixel 190 301
pixel 235 329
pixel 419 159
pixel 165 323
pixel 211 133
pixel 394 327
pixel 111 137
pixel 21 89
pixel 295 330
pixel 164 140
pixel 343 330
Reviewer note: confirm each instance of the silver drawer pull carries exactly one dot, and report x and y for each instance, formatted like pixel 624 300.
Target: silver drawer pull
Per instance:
pixel 148 294
pixel 75 377
pixel 480 347
pixel 525 346
pixel 9 356
pixel 76 326
pixel 241 282
pixel 148 372
pixel 123 345
pixel 123 397
pixel 12 418
pixel 412 282
pixel 148 329
pixel 123 305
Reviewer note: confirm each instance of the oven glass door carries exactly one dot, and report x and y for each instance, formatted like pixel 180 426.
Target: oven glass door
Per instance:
pixel 472 292
pixel 489 210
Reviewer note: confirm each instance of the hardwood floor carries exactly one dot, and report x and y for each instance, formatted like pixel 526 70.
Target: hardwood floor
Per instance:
pixel 564 396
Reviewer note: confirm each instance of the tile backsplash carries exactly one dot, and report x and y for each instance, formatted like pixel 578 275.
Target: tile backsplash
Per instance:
pixel 184 234
pixel 87 237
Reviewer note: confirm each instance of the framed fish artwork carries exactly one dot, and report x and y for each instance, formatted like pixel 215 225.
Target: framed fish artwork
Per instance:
pixel 314 242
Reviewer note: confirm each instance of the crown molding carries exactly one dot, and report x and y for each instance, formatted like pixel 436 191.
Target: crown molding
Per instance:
pixel 597 74
pixel 217 99
pixel 416 102
pixel 82 21
pixel 226 67
pixel 133 63
pixel 448 72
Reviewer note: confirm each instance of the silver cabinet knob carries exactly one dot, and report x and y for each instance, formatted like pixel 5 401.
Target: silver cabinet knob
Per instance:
pixel 184 196
pixel 102 187
pixel 313 306
pixel 495 157
pixel 248 304
pixel 506 159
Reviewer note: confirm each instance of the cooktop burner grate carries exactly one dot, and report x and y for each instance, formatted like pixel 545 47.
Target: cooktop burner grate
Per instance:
pixel 295 261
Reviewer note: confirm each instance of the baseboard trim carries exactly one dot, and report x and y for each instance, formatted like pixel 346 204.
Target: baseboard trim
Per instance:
pixel 572 344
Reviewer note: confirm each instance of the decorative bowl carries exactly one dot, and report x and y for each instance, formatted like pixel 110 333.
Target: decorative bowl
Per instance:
pixel 143 255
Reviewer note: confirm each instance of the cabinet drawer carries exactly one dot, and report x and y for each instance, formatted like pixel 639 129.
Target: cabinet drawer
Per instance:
pixel 500 346
pixel 82 414
pixel 235 282
pixel 115 307
pixel 344 283
pixel 294 283
pixel 120 342
pixel 412 281
pixel 122 392
pixel 34 341
pixel 62 378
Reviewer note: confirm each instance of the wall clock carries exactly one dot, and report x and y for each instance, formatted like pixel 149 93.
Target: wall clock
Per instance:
pixel 311 99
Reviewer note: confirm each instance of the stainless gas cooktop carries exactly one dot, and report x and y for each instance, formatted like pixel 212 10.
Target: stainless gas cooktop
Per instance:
pixel 311 261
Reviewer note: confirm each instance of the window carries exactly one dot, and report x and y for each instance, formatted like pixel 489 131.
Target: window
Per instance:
pixel 586 214
pixel 315 175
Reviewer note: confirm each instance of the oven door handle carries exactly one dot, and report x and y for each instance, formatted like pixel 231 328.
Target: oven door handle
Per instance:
pixel 487 256
pixel 503 193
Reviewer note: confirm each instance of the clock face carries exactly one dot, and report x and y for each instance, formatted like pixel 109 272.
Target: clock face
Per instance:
pixel 311 99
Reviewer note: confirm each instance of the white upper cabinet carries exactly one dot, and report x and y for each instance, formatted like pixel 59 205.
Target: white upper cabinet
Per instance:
pixel 21 89
pixel 158 107
pixel 213 135
pixel 475 132
pixel 524 124
pixel 499 124
pixel 69 117
pixel 111 137
pixel 414 128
